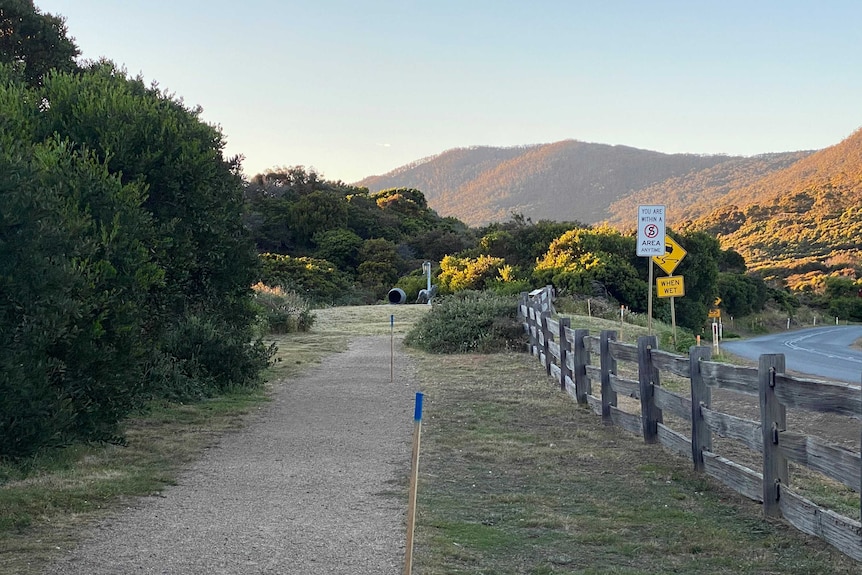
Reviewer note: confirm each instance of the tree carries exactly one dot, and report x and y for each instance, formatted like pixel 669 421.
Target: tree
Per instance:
pixel 35 41
pixel 520 241
pixel 597 261
pixel 379 268
pixel 339 246
pixel 700 270
pixel 740 294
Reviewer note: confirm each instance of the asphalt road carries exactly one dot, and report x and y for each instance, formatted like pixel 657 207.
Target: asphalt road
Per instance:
pixel 823 352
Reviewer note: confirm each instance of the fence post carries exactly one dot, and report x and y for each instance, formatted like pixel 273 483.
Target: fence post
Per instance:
pixel 773 420
pixel 545 340
pixel 609 366
pixel 524 302
pixel 534 332
pixel 582 359
pixel 701 437
pixel 648 377
pixel 565 350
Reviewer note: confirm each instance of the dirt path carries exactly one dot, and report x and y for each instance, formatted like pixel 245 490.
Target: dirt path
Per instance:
pixel 317 484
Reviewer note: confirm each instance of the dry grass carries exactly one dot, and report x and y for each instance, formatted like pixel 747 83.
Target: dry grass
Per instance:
pixel 517 478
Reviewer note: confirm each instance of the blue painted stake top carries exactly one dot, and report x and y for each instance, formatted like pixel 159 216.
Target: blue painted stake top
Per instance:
pixel 417 414
pixel 391 321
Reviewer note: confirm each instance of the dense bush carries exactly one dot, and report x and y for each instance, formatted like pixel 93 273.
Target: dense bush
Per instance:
pixel 469 321
pixel 73 288
pixel 282 311
pixel 124 266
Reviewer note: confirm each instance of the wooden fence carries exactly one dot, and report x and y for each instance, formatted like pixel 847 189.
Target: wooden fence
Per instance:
pixel 567 357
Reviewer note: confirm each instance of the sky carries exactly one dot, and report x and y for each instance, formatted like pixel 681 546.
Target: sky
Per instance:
pixel 355 88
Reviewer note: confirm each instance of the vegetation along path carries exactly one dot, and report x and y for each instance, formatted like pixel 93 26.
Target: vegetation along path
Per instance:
pixel 314 485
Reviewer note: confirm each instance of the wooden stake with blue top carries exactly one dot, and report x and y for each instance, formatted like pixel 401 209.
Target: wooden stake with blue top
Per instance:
pixel 414 484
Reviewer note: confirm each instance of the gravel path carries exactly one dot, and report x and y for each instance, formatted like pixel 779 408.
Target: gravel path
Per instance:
pixel 315 485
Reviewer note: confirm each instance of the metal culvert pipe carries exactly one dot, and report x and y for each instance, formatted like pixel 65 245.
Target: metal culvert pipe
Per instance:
pixel 397 295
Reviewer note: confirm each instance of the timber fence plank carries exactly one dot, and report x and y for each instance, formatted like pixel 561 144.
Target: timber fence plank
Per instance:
pixel 556 372
pixel 595 404
pixel 675 364
pixel 741 479
pixel 623 351
pixel 628 421
pixel 821 396
pixel 554 350
pixel 743 430
pixel 843 533
pixel 674 441
pixel 842 465
pixel 627 387
pixel 732 377
pixel 672 402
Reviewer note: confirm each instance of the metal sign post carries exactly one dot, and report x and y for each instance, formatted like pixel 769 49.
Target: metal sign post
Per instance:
pixel 672 286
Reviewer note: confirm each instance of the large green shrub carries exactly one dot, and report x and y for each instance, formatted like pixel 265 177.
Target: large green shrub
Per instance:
pixel 74 280
pixel 469 322
pixel 120 232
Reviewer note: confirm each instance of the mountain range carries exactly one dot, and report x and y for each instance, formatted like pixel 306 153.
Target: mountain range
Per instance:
pixel 790 212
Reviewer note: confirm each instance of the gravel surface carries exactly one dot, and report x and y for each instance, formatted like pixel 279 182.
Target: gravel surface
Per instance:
pixel 315 484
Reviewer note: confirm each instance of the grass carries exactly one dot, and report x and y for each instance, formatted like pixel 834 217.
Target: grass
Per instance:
pixel 517 478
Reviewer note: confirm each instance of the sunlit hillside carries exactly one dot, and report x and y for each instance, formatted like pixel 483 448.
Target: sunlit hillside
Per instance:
pixel 800 222
pixel 568 180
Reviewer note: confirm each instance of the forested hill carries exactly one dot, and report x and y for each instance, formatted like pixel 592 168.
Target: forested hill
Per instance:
pixel 567 180
pixel 799 222
pixel 699 192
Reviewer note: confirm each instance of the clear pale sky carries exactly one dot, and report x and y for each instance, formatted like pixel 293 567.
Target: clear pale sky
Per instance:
pixel 356 88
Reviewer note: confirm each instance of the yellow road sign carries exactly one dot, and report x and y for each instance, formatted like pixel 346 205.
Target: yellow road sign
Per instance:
pixel 671 286
pixel 715 313
pixel 673 255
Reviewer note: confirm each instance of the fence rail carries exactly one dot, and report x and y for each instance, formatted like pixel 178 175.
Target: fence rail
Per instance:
pixel 566 354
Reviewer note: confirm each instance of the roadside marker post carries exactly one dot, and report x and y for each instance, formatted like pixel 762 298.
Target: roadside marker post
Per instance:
pixel 414 485
pixel 392 348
